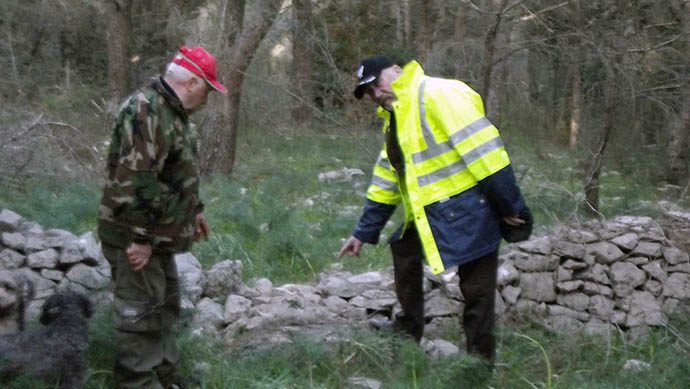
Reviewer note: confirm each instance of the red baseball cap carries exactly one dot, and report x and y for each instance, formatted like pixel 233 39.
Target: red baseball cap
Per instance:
pixel 200 62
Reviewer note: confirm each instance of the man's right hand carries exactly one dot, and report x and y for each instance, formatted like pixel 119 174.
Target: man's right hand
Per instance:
pixel 138 255
pixel 351 247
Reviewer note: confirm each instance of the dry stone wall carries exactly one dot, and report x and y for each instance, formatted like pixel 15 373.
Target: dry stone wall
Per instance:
pixel 622 274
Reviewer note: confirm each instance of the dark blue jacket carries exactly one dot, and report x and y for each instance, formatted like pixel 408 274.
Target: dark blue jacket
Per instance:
pixel 465 226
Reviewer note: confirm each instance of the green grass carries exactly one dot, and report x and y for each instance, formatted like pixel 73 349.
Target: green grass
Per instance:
pixel 72 206
pixel 579 361
pixel 527 357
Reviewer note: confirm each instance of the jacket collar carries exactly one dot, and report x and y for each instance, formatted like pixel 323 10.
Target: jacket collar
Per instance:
pixel 162 87
pixel 407 82
pixel 404 86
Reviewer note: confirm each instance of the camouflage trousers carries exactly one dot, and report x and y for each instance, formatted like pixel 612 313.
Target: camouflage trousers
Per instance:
pixel 146 306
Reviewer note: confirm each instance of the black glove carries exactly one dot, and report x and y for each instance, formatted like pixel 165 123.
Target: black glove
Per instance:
pixel 518 233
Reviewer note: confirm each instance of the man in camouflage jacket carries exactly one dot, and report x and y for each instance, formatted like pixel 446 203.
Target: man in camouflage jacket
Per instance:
pixel 151 210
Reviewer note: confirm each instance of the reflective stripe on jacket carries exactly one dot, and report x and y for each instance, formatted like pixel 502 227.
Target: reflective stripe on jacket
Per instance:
pixel 451 153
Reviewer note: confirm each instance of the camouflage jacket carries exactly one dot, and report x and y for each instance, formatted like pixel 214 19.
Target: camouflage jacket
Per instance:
pixel 151 194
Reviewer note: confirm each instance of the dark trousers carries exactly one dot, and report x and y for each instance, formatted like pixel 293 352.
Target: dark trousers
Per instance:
pixel 477 283
pixel 146 306
pixel 409 273
pixel 478 286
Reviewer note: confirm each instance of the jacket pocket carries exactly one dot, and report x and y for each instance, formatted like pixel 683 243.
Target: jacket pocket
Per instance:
pixel 452 211
pixel 464 227
pixel 461 208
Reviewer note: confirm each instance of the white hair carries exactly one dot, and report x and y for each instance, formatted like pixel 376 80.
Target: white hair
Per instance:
pixel 178 73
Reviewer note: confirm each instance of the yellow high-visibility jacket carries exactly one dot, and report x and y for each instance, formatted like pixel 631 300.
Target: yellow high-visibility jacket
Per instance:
pixel 457 178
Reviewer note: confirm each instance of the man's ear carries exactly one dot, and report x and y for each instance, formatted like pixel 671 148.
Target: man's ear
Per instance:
pixel 191 82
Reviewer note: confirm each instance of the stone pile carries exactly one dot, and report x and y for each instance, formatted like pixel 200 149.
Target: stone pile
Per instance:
pixel 621 274
pixel 50 259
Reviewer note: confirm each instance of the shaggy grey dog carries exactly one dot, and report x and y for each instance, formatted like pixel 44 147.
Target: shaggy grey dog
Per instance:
pixel 15 294
pixel 54 352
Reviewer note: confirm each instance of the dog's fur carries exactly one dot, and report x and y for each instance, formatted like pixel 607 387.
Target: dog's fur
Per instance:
pixel 15 294
pixel 54 352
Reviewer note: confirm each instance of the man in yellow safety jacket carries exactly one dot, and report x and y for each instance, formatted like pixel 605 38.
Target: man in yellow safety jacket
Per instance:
pixel 446 163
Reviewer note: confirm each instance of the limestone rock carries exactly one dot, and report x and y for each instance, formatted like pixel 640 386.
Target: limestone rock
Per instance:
pixel 538 286
pixel 223 279
pixel 601 307
pixel 537 263
pixel 87 276
pixel 644 309
pixel 605 252
pixel 571 264
pixel 9 221
pixel 655 271
pixel 438 305
pixel 69 254
pixel 43 259
pixel 10 259
pixel 439 348
pixel 677 286
pixel 14 240
pixel 577 301
pixel 563 323
pixel 376 300
pixel 626 277
pixel 675 256
pixel 566 249
pixel 90 248
pixel 592 288
pixel 563 274
pixel 648 249
pixel 570 286
pixel 209 316
pixel 510 294
pixel 541 245
pixel 507 274
pixel 627 241
pixel 235 308
pixel 363 383
pixel 557 310
pixel 636 366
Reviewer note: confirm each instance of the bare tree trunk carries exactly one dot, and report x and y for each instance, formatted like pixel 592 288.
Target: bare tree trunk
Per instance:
pixel 459 35
pixel 402 22
pixel 237 13
pixel 407 23
pixel 679 128
pixel 117 37
pixel 575 107
pixel 302 61
pixel 489 63
pixel 220 136
pixel 424 10
pixel 594 170
pixel 679 120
